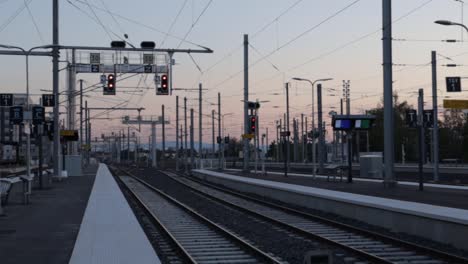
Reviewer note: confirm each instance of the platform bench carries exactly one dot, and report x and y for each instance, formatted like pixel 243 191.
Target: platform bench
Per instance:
pixel 5 188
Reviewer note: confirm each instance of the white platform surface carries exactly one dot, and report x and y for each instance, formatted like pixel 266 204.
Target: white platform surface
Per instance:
pixel 358 179
pixel 426 210
pixel 110 232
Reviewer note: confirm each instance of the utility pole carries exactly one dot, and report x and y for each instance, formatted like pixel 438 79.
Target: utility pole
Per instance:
pixel 55 85
pixel 267 144
pixel 287 127
pixel 277 140
pixel 86 130
pixel 341 133
pixel 163 132
pixel 389 135
pixel 192 148
pixel 435 128
pixel 177 133
pixel 154 162
pixel 89 136
pixel 220 161
pixel 295 138
pixel 81 118
pixel 213 133
pixel 71 98
pixel 185 135
pixel 302 138
pixel 200 124
pixel 128 144
pixel 322 151
pixel 421 138
pixel 246 100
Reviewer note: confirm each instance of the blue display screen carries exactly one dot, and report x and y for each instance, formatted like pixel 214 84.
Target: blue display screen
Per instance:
pixel 345 124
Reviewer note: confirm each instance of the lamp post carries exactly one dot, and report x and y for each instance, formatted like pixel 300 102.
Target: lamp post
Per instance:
pixel 435 125
pixel 450 23
pixel 28 136
pixel 312 83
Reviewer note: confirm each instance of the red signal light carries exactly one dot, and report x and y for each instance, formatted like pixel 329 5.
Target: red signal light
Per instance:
pixel 164 82
pixel 253 124
pixel 111 81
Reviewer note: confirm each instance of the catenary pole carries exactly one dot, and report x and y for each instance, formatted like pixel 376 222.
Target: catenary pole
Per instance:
pixel 81 117
pixel 287 127
pixel 389 144
pixel 154 162
pixel 163 133
pixel 55 86
pixel 192 147
pixel 321 150
pixel 212 133
pixel 421 138
pixel 435 129
pixel 177 132
pixel 200 124
pixel 246 100
pixel 220 158
pixel 185 135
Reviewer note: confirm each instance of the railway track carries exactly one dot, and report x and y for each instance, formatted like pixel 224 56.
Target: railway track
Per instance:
pixel 198 239
pixel 370 246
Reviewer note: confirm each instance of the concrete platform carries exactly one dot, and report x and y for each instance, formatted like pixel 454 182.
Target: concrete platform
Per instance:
pixel 44 231
pixel 440 223
pixel 435 194
pixel 110 232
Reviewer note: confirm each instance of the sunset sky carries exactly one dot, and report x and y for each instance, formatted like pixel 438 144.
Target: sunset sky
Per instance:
pixel 311 39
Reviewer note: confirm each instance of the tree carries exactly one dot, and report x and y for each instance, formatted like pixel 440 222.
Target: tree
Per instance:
pixel 404 136
pixel 453 135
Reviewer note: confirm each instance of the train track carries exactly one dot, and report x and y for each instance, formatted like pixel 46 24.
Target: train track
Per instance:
pixel 368 245
pixel 198 239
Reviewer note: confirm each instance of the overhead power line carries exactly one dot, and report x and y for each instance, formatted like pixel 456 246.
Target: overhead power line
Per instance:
pixel 14 15
pixel 194 23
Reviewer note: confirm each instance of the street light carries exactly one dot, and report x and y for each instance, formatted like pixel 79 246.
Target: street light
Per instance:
pixel 28 136
pixel 312 83
pixel 450 23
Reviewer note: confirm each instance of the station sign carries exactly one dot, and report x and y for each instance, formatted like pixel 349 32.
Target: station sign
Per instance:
pixel 352 122
pixel 148 59
pixel 95 68
pixel 16 115
pixel 456 104
pixel 248 136
pixel 453 84
pixel 411 118
pixel 95 58
pixel 38 115
pixel 428 118
pixel 148 69
pixel 6 99
pixel 48 100
pixel 49 128
pixel 69 135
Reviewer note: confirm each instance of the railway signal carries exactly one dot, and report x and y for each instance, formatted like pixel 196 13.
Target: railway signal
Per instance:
pixel 109 89
pixel 253 124
pixel 163 87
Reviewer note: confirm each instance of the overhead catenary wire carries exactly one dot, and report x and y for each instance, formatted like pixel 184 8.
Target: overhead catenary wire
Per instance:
pixel 194 23
pixel 133 21
pixel 174 22
pixel 34 22
pixel 11 18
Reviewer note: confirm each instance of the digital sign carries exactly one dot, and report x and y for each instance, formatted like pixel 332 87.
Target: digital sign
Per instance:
pixel 352 122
